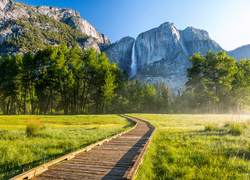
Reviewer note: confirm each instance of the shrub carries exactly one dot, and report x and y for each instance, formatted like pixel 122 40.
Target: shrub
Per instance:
pixel 209 127
pixel 236 129
pixel 33 126
pixel 228 124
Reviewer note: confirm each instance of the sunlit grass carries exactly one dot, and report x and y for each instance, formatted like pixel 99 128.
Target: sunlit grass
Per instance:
pixel 182 149
pixel 57 136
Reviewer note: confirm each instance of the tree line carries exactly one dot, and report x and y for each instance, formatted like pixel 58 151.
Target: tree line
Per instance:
pixel 60 80
pixel 65 80
pixel 57 79
pixel 138 97
pixel 217 83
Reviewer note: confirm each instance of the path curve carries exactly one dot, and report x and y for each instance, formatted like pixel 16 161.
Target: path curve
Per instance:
pixel 117 159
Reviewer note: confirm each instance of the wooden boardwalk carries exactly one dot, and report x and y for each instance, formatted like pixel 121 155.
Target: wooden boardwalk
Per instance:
pixel 117 159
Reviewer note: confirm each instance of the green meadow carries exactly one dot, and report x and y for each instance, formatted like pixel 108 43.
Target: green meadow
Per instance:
pixel 197 147
pixel 183 146
pixel 55 137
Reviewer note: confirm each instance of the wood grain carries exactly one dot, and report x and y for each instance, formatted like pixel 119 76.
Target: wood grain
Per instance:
pixel 118 157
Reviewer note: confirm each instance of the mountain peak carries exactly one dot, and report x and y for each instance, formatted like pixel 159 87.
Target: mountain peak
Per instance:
pixel 162 53
pixel 11 10
pixel 196 33
pixel 166 24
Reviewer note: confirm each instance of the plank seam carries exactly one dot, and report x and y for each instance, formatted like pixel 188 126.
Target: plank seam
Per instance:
pixel 139 160
pixel 44 167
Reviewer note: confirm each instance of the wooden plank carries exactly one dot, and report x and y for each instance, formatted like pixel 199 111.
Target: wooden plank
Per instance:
pixel 118 157
pixel 40 169
pixel 138 162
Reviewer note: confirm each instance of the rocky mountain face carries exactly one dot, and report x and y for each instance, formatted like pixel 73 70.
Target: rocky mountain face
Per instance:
pixel 162 54
pixel 11 10
pixel 241 52
pixel 121 52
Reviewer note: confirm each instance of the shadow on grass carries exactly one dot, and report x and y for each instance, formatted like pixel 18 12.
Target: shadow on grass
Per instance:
pixel 15 170
pixel 236 153
pixel 220 132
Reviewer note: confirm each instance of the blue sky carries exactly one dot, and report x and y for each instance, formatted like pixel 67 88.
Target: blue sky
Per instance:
pixel 227 21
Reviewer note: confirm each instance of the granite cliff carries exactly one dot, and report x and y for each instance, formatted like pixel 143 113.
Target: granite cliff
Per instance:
pixel 12 12
pixel 121 52
pixel 162 54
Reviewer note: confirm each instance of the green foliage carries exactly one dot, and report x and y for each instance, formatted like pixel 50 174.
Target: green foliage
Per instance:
pixel 135 96
pixel 219 83
pixel 185 102
pixel 164 98
pixel 209 127
pixel 241 85
pixel 33 126
pixel 38 32
pixel 236 129
pixel 58 79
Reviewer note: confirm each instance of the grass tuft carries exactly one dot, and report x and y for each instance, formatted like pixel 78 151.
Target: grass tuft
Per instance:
pixel 33 126
pixel 236 129
pixel 209 127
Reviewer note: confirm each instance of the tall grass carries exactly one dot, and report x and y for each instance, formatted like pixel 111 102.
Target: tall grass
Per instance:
pixel 210 127
pixel 237 124
pixel 236 129
pixel 62 135
pixel 181 149
pixel 33 126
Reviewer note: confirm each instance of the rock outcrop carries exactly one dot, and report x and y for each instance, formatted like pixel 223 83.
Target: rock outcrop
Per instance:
pixel 120 53
pixel 89 43
pixel 196 40
pixel 161 45
pixel 11 10
pixel 162 54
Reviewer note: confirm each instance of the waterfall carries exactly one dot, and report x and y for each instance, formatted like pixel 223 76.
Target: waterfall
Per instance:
pixel 133 63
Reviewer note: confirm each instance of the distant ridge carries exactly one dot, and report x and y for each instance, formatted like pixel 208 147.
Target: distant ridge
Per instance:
pixel 241 52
